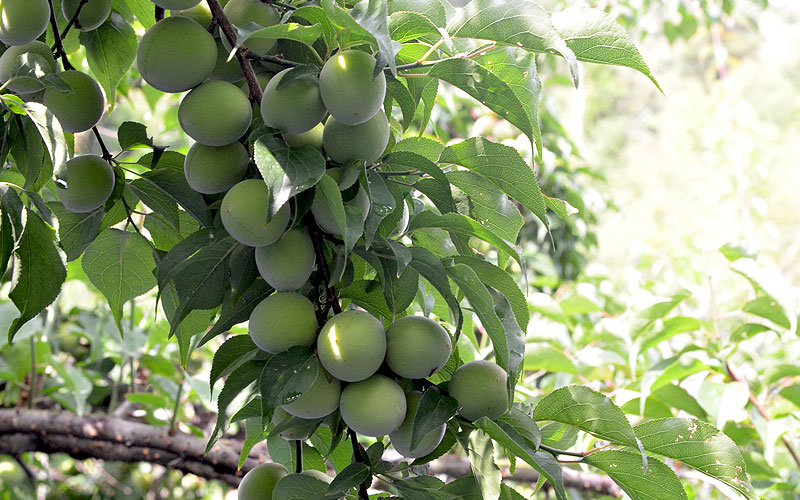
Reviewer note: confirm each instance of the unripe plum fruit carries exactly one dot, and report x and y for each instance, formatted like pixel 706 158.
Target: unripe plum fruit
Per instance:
pixel 417 347
pixel 93 13
pixel 241 12
pixel 401 437
pixel 176 4
pixel 301 431
pixel 317 475
pixel 24 63
pixel 259 483
pixel 263 80
pixel 322 210
pixel 224 69
pixel 350 92
pixel 80 110
pixel 23 21
pixel 215 113
pixel 176 54
pixel 402 224
pixel 373 407
pixel 480 389
pixel 352 345
pixel 89 182
pixel 293 107
pixel 200 13
pixel 215 169
pixel 320 400
pixel 281 321
pixel 287 264
pixel 366 141
pixel 311 138
pixel 244 214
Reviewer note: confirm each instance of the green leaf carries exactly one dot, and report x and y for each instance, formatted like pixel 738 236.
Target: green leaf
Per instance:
pixel 426 147
pixel 548 359
pixel 373 15
pixel 560 207
pixel 589 411
pixel 231 354
pixel 432 9
pixel 724 401
pixel 658 482
pixel 163 187
pixel 698 445
pixel 287 170
pixel 768 308
pixel 504 167
pixel 299 487
pixel 350 477
pixel 306 35
pixel 515 340
pixel 110 51
pixel 349 32
pixel 595 36
pixel 39 271
pixel 437 188
pixel 287 375
pixel 481 460
pixel 672 327
pixel 76 231
pixel 405 26
pixel 329 193
pixel 490 206
pixel 131 135
pixel 403 98
pixel 186 331
pixel 120 264
pixel 28 150
pixel 52 134
pixel 317 16
pixel 234 387
pixel 431 268
pixel 369 295
pixel 434 410
pixel 518 23
pixel 144 12
pixel 525 426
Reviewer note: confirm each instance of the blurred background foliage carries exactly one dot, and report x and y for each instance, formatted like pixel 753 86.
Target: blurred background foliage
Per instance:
pixel 674 289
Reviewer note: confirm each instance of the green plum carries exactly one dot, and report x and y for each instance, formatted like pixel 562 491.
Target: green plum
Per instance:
pixel 215 169
pixel 200 13
pixel 350 92
pixel 79 110
pixel 366 141
pixel 26 63
pixel 93 13
pixel 23 21
pixel 244 214
pixel 287 264
pixel 323 214
pixel 293 106
pixel 215 113
pixel 320 400
pixel 480 389
pixel 226 70
pixel 241 12
pixel 317 475
pixel 85 184
pixel 352 345
pixel 401 437
pixel 402 224
pixel 417 347
pixel 176 4
pixel 281 321
pixel 311 138
pixel 300 430
pixel 176 54
pixel 373 407
pixel 259 483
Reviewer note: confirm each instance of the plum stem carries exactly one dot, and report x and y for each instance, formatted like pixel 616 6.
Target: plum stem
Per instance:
pixel 358 455
pixel 298 446
pixel 74 19
pixel 58 48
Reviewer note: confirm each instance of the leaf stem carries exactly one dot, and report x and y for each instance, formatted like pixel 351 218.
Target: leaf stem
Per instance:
pixel 556 451
pixel 175 408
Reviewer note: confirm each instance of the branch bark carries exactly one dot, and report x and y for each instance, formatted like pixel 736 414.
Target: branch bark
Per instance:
pixel 117 440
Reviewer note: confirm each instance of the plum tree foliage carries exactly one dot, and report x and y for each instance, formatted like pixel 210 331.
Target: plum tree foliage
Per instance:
pixel 317 205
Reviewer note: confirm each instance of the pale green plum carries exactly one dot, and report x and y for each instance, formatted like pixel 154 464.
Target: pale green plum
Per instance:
pixel 366 141
pixel 215 113
pixel 23 21
pixel 417 347
pixel 401 437
pixel 323 214
pixel 226 70
pixel 299 430
pixel 263 79
pixel 200 13
pixel 79 110
pixel 373 407
pixel 85 184
pixel 244 214
pixel 281 321
pixel 352 345
pixel 402 224
pixel 93 14
pixel 480 389
pixel 259 483
pixel 241 12
pixel 317 475
pixel 320 400
pixel 287 264
pixel 294 106
pixel 215 169
pixel 311 138
pixel 176 54
pixel 26 63
pixel 176 4
pixel 350 92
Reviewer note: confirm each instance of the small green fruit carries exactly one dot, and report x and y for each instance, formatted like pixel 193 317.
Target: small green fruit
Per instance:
pixel 402 224
pixel 281 321
pixel 89 182
pixel 176 4
pixel 23 21
pixel 26 63
pixel 176 54
pixel 350 92
pixel 298 431
pixel 366 141
pixel 259 483
pixel 311 138
pixel 215 114
pixel 480 388
pixel 352 345
pixel 295 106
pixel 215 169
pixel 241 12
pixel 318 475
pixel 244 214
pixel 80 110
pixel 320 400
pixel 401 437
pixel 200 13
pixel 93 14
pixel 417 347
pixel 287 264
pixel 226 70
pixel 373 407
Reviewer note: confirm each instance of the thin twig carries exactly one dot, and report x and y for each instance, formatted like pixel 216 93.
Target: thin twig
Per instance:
pixel 74 19
pixel 358 455
pixel 556 451
pixel 58 48
pixel 107 156
pixel 298 446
